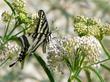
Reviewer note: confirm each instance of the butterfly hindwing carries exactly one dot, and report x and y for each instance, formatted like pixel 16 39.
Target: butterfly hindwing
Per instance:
pixel 24 48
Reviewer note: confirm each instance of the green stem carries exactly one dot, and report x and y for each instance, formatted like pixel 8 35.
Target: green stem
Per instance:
pixel 45 67
pixel 106 67
pixel 68 64
pixel 105 50
pixel 74 75
pixel 4 62
pixel 8 25
pixel 96 63
pixel 77 72
pixel 2 44
pixel 88 75
pixel 71 77
pixel 15 26
pixel 20 32
pixel 10 6
pixel 97 73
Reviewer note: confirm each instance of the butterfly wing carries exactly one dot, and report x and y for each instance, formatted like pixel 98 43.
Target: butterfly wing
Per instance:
pixel 41 34
pixel 24 45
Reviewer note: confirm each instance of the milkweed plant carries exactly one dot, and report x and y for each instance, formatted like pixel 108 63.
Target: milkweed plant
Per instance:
pixel 82 52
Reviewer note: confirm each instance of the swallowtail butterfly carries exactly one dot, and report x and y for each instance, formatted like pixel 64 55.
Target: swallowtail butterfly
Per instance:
pixel 40 36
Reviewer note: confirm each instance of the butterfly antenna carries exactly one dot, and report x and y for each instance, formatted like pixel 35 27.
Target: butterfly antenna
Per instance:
pixel 13 63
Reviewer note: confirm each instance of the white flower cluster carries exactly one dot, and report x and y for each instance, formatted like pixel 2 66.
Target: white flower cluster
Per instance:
pixel 59 48
pixel 55 53
pixel 10 49
pixel 91 48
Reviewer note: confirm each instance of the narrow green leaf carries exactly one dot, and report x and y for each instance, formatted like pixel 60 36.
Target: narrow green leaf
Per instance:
pixel 106 67
pixel 88 75
pixel 98 74
pixel 46 69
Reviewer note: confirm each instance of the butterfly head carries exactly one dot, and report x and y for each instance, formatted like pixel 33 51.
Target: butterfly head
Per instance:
pixel 41 14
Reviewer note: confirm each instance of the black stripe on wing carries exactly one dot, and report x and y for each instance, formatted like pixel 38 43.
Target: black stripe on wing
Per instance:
pixel 24 42
pixel 42 32
pixel 24 48
pixel 37 42
pixel 40 36
pixel 42 24
pixel 25 45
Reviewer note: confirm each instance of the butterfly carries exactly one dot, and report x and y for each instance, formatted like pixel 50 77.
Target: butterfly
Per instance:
pixel 40 36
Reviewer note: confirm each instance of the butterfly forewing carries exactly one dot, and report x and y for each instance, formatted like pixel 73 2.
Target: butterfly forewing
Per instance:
pixel 41 33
